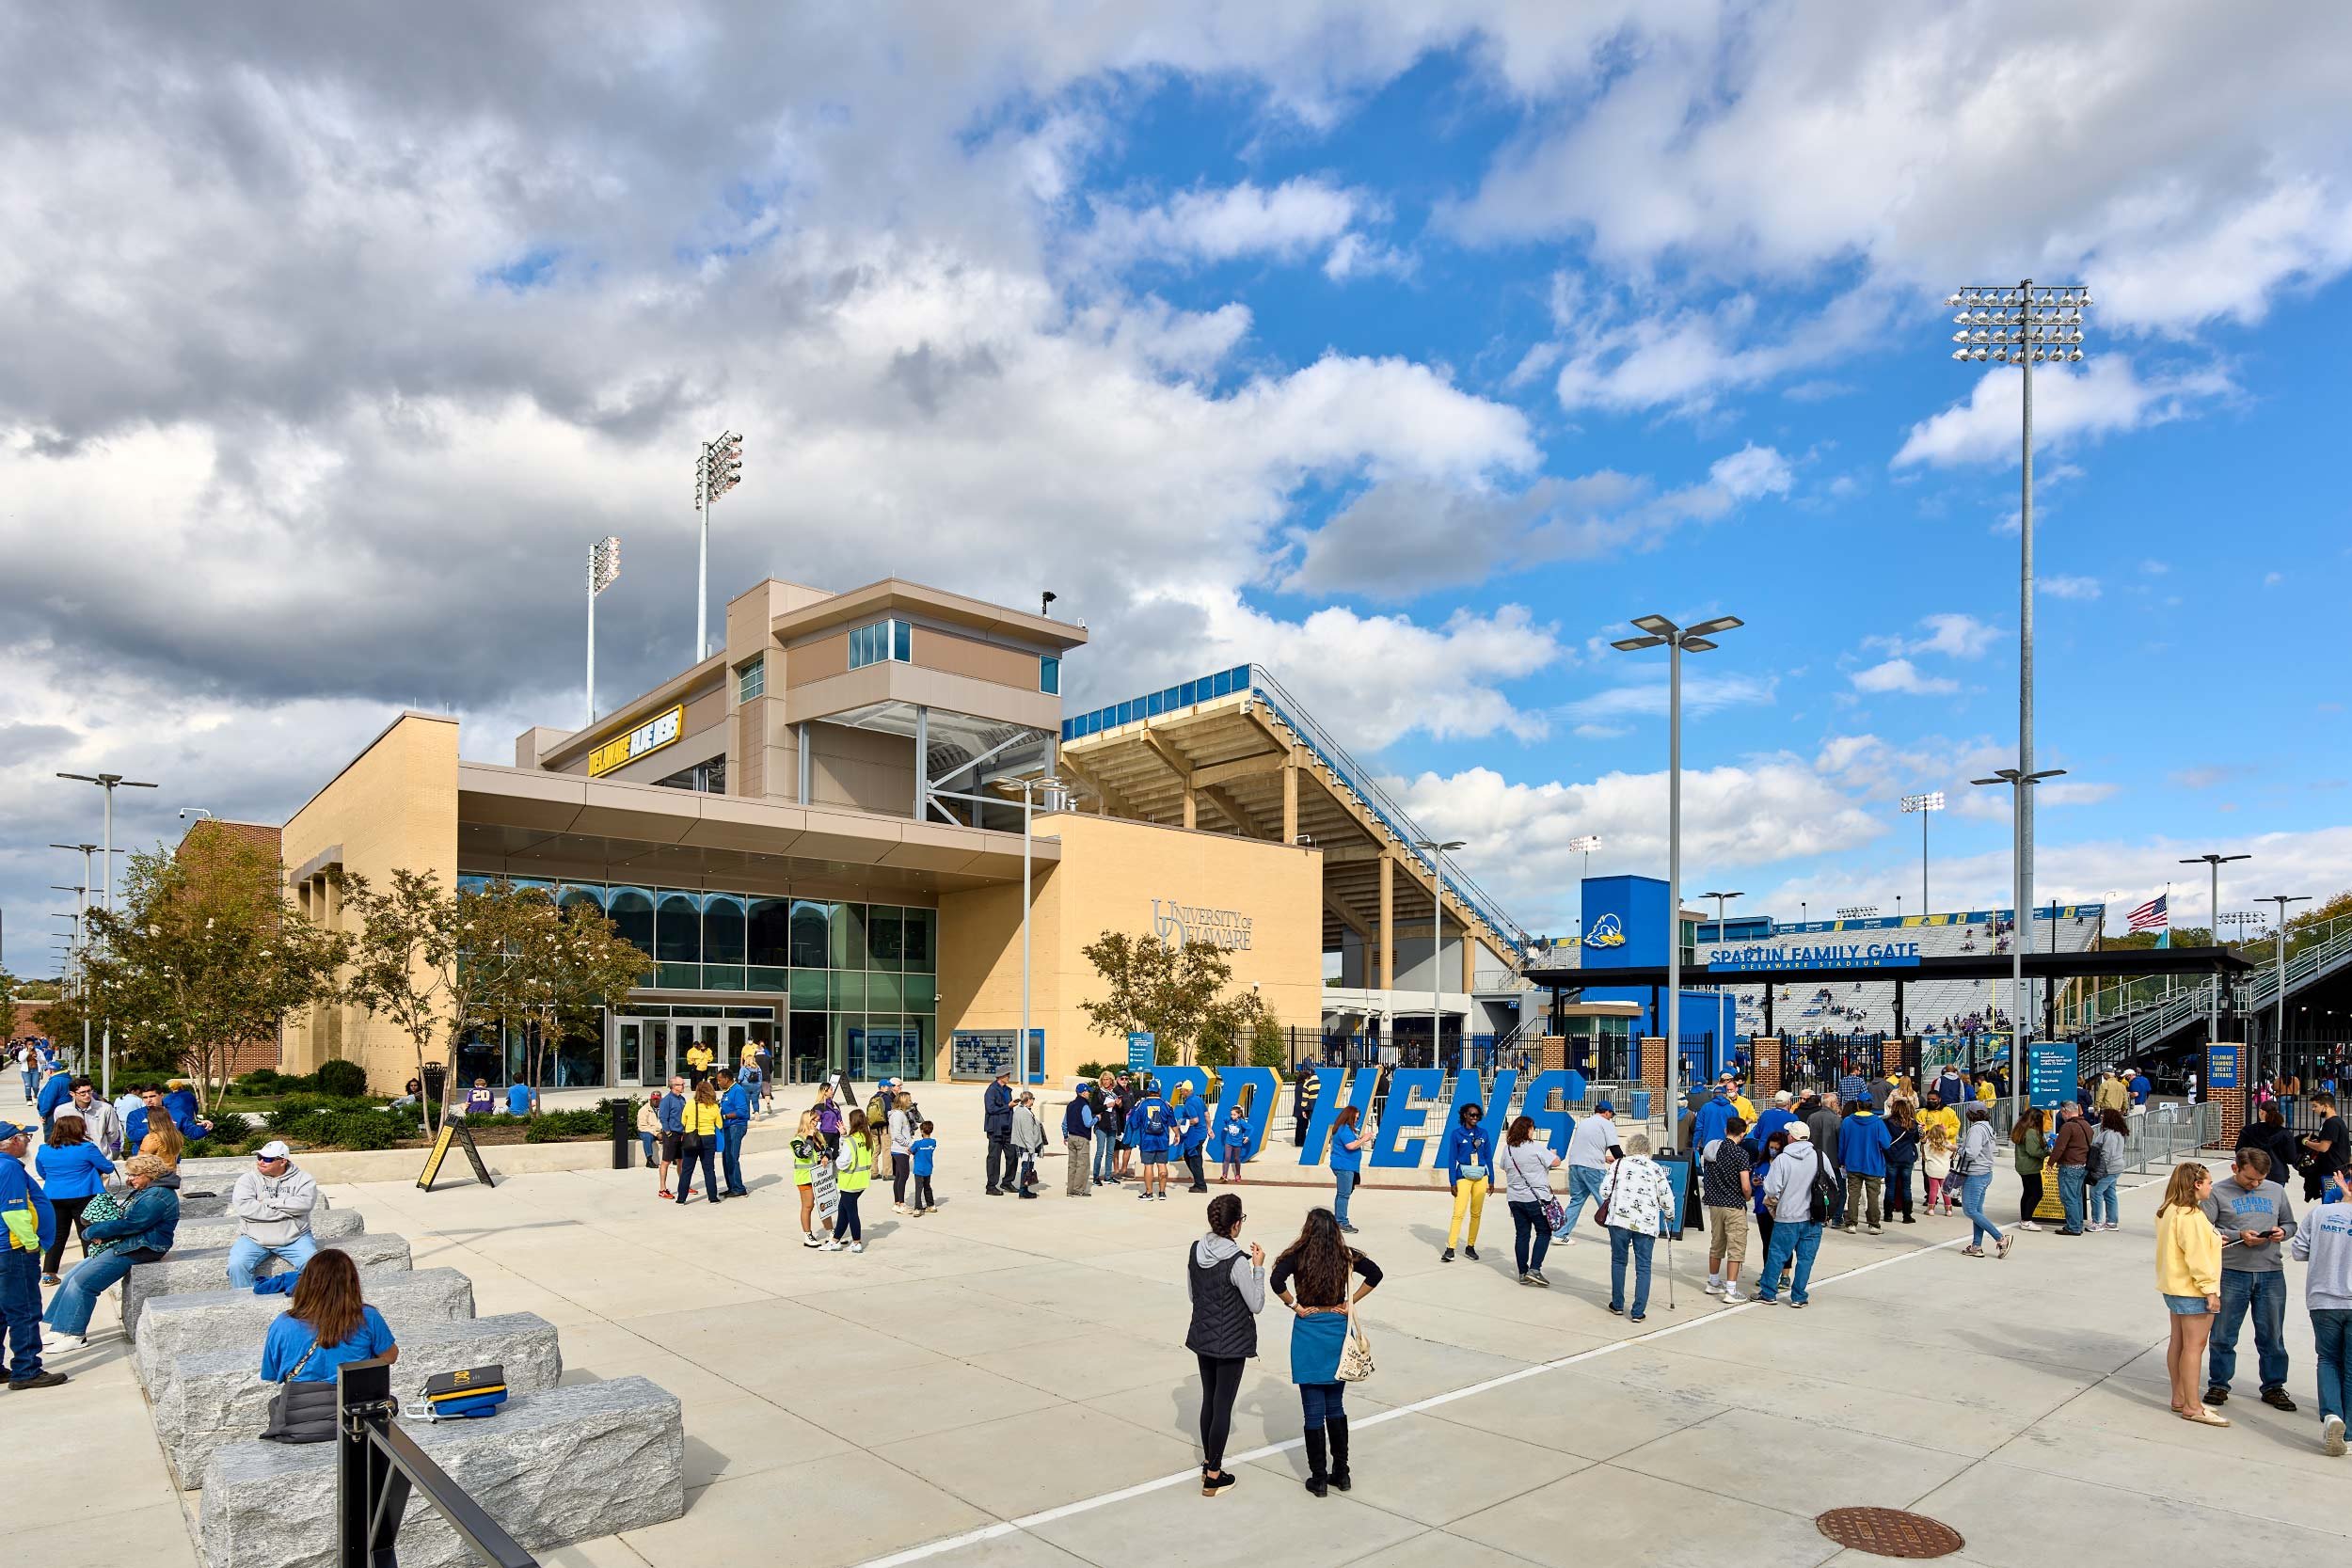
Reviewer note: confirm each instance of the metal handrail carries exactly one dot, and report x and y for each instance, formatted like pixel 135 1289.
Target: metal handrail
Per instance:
pixel 376 1464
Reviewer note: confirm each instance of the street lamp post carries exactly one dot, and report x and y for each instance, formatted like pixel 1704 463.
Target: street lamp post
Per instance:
pixel 1026 789
pixel 81 929
pixel 719 469
pixel 604 565
pixel 1436 850
pixel 2020 784
pixel 1721 898
pixel 2279 1031
pixel 2214 864
pixel 109 782
pixel 1923 805
pixel 1678 641
pixel 2022 326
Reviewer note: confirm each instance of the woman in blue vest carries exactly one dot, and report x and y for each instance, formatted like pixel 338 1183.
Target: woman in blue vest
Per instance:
pixel 1318 1264
pixel 1228 1290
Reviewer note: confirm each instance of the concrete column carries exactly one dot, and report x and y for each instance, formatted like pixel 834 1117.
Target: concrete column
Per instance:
pixel 1192 807
pixel 806 766
pixel 1290 799
pixel 1388 923
pixel 1469 961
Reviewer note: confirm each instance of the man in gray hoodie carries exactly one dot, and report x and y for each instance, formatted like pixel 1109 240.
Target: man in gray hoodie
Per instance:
pixel 2255 1217
pixel 273 1203
pixel 2325 1241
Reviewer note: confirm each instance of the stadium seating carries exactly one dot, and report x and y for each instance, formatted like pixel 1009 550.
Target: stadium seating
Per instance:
pixel 1861 1006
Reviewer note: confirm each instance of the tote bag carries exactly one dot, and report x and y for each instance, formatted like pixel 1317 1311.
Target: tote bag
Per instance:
pixel 1356 1352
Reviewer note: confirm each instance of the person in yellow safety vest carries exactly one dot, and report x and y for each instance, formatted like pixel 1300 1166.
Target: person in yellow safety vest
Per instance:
pixel 857 1164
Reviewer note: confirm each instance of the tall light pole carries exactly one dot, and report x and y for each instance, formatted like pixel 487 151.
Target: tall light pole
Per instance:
pixel 1585 845
pixel 81 929
pixel 2279 1031
pixel 604 566
pixel 2214 864
pixel 2023 326
pixel 109 782
pixel 2021 789
pixel 1923 805
pixel 717 471
pixel 1678 640
pixel 1026 789
pixel 1436 850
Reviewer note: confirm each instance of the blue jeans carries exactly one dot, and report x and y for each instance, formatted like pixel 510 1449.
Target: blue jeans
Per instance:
pixel 1323 1402
pixel 29 1090
pixel 1583 1182
pixel 1971 1191
pixel 731 1155
pixel 1345 1184
pixel 2103 1208
pixel 77 1298
pixel 246 1254
pixel 20 1312
pixel 653 1155
pixel 1622 1241
pixel 1106 1155
pixel 2267 1293
pixel 2332 1331
pixel 2071 1194
pixel 1798 1239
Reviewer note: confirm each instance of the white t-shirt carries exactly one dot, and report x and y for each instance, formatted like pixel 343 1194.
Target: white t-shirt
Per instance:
pixel 1589 1145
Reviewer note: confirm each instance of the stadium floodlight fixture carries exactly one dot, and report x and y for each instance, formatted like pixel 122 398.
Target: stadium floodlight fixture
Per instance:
pixel 1657 631
pixel 1858 911
pixel 604 569
pixel 2022 325
pixel 1923 803
pixel 718 470
pixel 1584 844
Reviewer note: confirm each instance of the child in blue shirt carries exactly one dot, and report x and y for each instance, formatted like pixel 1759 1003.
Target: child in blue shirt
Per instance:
pixel 1234 1141
pixel 925 1154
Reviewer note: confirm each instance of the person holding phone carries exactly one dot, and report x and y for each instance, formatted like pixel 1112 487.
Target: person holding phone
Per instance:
pixel 2253 1215
pixel 1228 1290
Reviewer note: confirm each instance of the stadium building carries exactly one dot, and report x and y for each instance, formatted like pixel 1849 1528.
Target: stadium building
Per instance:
pixel 816 835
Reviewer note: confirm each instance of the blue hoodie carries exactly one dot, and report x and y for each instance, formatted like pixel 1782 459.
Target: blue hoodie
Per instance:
pixel 134 1128
pixel 1236 1139
pixel 54 1093
pixel 1767 1123
pixel 74 1170
pixel 1195 1123
pixel 1468 1146
pixel 1708 1124
pixel 1862 1141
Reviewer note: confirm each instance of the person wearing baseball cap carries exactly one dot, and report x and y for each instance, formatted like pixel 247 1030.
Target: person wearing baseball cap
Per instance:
pixel 273 1203
pixel 32 1227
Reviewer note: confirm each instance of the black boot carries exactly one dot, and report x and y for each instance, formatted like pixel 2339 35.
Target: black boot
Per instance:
pixel 1318 1477
pixel 1335 1428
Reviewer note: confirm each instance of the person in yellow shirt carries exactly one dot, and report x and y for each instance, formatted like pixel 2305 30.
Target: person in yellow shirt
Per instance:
pixel 2188 1275
pixel 698 1059
pixel 1940 1115
pixel 699 1129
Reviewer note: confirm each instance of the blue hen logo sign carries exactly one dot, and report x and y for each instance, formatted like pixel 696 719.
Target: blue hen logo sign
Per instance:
pixel 1607 932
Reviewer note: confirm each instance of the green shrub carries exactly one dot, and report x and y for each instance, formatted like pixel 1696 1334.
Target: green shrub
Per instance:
pixel 341 1079
pixel 1090 1069
pixel 562 1126
pixel 231 1128
pixel 293 1113
pixel 359 1129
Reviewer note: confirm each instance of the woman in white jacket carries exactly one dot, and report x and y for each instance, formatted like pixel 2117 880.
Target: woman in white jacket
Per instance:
pixel 1029 1141
pixel 1641 1203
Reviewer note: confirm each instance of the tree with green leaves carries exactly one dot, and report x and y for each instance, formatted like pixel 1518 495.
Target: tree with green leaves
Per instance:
pixel 428 961
pixel 562 965
pixel 204 952
pixel 1177 994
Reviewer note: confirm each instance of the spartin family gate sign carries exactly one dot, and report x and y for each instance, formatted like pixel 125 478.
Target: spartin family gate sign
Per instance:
pixel 1827 955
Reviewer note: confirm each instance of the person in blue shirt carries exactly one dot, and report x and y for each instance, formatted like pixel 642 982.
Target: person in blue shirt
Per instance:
pixel 2140 1088
pixel 1149 1124
pixel 73 1171
pixel 734 1118
pixel 925 1152
pixel 1469 1159
pixel 1775 1117
pixel 1234 1142
pixel 30 1230
pixel 181 1101
pixel 672 1115
pixel 1192 1136
pixel 1711 1119
pixel 153 1109
pixel 521 1100
pixel 1347 1161
pixel 328 1325
pixel 56 1090
pixel 1862 1141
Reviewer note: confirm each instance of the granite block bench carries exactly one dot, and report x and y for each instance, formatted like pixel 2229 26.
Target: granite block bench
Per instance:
pixel 215 1398
pixel 194 1321
pixel 207 1269
pixel 552 1468
pixel 326 1224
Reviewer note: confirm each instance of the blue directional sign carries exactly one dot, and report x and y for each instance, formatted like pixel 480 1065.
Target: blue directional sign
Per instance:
pixel 1139 1044
pixel 2051 1073
pixel 2221 1067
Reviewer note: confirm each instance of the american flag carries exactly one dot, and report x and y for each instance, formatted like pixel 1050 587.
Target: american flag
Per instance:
pixel 2152 916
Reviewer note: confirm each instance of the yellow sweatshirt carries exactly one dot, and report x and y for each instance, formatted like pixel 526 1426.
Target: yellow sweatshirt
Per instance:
pixel 2188 1254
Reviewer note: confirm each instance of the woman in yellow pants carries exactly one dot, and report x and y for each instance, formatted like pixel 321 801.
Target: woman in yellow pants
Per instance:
pixel 1470 1157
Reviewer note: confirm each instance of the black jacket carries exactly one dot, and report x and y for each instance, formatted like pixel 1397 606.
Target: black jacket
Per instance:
pixel 996 1115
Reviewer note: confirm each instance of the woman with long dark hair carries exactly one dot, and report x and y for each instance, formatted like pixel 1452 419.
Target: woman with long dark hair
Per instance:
pixel 1228 1290
pixel 2031 1142
pixel 1902 1152
pixel 701 1122
pixel 328 1324
pixel 1318 1264
pixel 1347 1162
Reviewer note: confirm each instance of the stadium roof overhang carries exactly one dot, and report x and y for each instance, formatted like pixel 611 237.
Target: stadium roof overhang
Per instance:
pixel 2130 963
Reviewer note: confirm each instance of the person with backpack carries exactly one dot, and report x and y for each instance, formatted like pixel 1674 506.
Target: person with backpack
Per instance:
pixel 1078 1142
pixel 1801 1191
pixel 2070 1153
pixel 1148 1126
pixel 1902 1152
pixel 1971 1167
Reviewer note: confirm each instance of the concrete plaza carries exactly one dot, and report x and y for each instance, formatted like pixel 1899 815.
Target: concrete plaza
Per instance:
pixel 1005 1383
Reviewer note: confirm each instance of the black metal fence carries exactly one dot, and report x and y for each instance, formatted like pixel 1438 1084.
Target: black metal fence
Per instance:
pixel 378 1465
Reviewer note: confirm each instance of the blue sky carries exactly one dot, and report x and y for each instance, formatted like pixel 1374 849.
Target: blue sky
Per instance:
pixel 1408 350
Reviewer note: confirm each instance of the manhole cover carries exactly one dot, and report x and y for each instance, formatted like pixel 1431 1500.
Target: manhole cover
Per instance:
pixel 1889 1533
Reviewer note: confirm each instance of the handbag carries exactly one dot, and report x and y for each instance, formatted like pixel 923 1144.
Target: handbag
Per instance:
pixel 301 1412
pixel 1354 1352
pixel 1607 1190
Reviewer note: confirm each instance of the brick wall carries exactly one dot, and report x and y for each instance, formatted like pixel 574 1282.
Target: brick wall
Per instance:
pixel 1765 1050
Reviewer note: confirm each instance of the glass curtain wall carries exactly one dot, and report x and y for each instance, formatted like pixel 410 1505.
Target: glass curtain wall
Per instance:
pixel 863 978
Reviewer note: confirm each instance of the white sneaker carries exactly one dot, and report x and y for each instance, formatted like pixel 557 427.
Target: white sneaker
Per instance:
pixel 897 1208
pixel 1732 1296
pixel 2331 1434
pixel 1714 1286
pixel 831 1245
pixel 64 1341
pixel 2027 1224
pixel 857 1246
pixel 1568 1240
